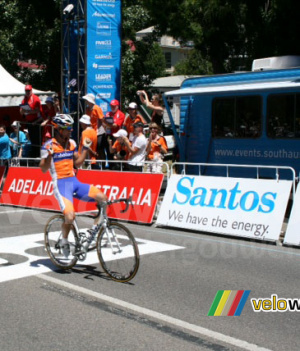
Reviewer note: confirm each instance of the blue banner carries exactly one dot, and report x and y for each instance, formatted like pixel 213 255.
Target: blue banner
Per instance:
pixel 104 51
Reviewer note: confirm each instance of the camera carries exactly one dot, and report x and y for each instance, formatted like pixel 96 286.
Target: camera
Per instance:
pixel 68 9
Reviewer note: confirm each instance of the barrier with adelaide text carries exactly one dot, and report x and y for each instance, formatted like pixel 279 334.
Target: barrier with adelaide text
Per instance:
pixel 252 208
pixel 29 187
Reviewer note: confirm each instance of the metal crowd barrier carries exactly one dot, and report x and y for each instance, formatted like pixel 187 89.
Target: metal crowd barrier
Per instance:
pixel 101 164
pixel 181 168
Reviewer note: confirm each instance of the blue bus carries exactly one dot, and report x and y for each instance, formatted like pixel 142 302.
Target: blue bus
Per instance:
pixel 249 118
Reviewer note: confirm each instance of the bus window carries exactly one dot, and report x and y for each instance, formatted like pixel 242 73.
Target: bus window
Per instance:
pixel 237 117
pixel 283 116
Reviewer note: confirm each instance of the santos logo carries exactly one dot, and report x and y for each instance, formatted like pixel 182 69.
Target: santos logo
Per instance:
pixel 222 198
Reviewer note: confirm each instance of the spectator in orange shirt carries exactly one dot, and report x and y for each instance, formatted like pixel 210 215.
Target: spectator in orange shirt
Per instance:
pixel 89 133
pixel 132 118
pixel 118 146
pixel 96 115
pixel 156 149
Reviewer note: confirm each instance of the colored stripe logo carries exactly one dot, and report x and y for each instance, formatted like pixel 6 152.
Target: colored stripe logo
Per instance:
pixel 229 303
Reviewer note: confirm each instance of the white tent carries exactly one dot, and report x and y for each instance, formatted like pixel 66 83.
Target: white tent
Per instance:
pixel 12 91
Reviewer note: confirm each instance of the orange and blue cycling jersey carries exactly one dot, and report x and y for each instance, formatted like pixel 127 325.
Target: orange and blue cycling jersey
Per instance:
pixel 65 184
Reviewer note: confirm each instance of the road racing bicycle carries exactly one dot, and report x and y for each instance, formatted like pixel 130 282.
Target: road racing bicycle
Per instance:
pixel 116 246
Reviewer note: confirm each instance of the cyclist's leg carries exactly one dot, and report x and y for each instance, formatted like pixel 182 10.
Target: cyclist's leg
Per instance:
pixel 64 195
pixel 87 192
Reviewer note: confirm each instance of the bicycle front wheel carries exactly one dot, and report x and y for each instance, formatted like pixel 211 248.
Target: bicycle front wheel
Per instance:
pixel 53 236
pixel 118 252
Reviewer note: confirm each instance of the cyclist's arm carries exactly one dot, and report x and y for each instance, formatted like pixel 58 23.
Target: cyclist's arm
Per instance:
pixel 45 163
pixel 46 157
pixel 79 159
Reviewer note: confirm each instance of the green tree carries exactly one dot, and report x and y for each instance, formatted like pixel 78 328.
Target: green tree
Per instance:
pixel 224 31
pixel 194 64
pixel 142 61
pixel 31 30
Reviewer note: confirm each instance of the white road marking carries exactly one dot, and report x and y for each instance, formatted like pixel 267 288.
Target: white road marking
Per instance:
pixel 159 316
pixel 34 258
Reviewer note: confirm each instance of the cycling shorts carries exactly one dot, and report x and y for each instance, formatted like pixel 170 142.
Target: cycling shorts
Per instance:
pixel 66 189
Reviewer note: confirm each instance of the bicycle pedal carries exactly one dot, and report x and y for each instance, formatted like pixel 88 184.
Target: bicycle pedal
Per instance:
pixel 82 256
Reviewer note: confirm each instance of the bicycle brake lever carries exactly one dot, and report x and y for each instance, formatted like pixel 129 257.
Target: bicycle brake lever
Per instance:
pixel 127 205
pixel 130 201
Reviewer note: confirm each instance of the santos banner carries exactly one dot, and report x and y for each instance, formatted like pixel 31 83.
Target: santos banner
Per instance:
pixel 29 187
pixel 104 50
pixel 252 208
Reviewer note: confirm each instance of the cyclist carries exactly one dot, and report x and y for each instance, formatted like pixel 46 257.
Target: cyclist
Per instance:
pixel 59 155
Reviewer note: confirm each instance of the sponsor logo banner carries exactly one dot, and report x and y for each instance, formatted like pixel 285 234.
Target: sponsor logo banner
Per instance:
pixel 252 208
pixel 29 187
pixel 104 50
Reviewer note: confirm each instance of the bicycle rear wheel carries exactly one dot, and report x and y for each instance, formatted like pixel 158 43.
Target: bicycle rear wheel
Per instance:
pixel 53 236
pixel 118 252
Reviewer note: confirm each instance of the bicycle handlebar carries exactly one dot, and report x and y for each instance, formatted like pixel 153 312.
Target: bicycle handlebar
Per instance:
pixel 127 201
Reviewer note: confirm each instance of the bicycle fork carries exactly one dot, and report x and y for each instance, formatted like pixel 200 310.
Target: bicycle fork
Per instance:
pixel 111 237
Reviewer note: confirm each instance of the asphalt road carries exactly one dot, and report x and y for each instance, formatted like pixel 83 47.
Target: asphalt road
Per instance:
pixel 164 307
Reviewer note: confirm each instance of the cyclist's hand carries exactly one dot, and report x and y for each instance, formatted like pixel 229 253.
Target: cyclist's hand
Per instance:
pixel 50 149
pixel 87 142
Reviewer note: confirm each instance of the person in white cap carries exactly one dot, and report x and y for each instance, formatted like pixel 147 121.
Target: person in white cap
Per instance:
pixel 119 150
pixel 88 132
pixel 132 118
pixel 17 139
pixel 96 114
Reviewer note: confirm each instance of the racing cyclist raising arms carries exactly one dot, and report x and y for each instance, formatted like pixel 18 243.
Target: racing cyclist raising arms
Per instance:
pixel 59 155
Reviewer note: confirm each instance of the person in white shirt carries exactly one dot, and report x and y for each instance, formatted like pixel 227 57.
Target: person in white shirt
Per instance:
pixel 137 149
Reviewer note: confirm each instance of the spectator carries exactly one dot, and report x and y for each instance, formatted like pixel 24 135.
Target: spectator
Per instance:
pixel 90 134
pixel 117 116
pixel 17 140
pixel 96 116
pixel 119 149
pixel 132 118
pixel 137 150
pixel 5 153
pixel 155 105
pixel 113 121
pixel 156 149
pixel 47 136
pixel 52 108
pixel 31 110
pixel 27 146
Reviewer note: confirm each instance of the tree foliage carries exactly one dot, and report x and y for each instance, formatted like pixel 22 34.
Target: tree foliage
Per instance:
pixel 31 30
pixel 224 31
pixel 194 64
pixel 227 34
pixel 144 61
